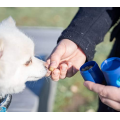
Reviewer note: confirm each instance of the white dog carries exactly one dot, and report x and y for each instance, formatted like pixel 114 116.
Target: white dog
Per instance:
pixel 17 61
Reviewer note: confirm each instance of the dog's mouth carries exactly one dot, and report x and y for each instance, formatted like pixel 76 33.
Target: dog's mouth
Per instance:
pixel 32 78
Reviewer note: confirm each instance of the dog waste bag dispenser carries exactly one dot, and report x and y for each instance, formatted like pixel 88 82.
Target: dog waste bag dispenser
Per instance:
pixel 90 71
pixel 110 71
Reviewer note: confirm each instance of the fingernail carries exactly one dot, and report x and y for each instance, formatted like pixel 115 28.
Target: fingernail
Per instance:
pixel 48 73
pixel 53 63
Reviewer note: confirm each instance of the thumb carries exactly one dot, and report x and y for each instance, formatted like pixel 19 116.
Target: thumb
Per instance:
pixel 56 57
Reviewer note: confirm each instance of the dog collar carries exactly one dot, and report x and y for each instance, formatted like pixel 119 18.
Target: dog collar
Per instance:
pixel 5 102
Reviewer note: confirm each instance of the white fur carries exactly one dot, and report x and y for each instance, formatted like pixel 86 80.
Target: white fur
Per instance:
pixel 15 50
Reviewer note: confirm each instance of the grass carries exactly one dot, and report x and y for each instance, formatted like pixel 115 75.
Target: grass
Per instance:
pixel 71 95
pixel 39 16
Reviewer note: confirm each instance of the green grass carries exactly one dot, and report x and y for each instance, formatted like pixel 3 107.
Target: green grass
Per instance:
pixel 39 16
pixel 66 99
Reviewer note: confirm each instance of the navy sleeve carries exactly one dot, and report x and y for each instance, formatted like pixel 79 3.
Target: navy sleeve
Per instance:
pixel 88 27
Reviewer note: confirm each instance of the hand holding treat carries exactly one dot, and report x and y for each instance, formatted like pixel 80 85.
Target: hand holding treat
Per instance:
pixel 65 60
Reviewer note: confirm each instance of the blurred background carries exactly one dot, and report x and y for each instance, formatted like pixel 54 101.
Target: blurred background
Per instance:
pixel 70 95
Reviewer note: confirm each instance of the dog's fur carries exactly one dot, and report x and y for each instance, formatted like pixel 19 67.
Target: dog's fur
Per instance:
pixel 17 61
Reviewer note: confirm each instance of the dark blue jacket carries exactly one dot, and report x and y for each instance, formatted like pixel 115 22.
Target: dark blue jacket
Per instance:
pixel 89 26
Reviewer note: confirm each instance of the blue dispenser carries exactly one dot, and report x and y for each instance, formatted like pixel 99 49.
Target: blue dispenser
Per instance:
pixel 93 74
pixel 111 70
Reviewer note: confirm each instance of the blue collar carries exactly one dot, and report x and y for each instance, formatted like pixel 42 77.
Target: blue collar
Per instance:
pixel 5 102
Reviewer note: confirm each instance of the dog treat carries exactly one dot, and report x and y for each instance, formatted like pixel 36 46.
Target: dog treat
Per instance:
pixel 51 69
pixel 87 68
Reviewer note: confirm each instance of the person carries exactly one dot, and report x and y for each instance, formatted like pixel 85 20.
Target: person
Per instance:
pixel 76 45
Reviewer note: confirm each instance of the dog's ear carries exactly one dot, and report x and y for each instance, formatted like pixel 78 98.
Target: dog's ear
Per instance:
pixel 9 21
pixel 1 47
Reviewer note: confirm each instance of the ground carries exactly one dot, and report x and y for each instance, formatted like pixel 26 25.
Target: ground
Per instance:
pixel 71 94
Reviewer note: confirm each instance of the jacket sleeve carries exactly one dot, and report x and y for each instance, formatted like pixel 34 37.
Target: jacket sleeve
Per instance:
pixel 89 26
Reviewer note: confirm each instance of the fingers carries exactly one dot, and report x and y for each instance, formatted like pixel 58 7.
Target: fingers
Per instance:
pixel 70 70
pixel 108 92
pixel 48 73
pixel 46 64
pixel 55 74
pixel 59 73
pixel 56 57
pixel 109 95
pixel 63 70
pixel 113 104
pixel 94 87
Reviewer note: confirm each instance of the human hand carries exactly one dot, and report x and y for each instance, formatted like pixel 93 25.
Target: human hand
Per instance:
pixel 65 60
pixel 109 95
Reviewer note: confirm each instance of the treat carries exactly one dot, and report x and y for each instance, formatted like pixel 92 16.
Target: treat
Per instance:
pixel 51 69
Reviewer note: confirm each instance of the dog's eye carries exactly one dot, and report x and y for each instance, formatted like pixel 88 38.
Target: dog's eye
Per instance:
pixel 28 62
